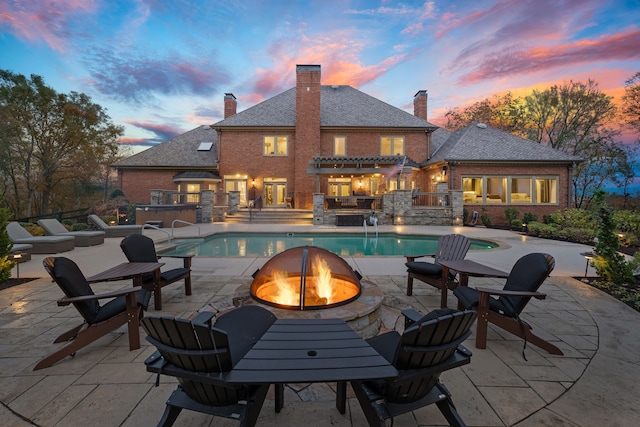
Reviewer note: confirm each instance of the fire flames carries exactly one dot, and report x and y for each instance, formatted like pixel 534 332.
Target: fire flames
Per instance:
pixel 325 282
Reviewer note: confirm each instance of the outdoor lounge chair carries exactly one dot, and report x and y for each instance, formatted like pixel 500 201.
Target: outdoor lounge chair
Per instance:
pixel 113 230
pixel 450 247
pixel 525 278
pixel 53 227
pixel 200 356
pixel 40 244
pixel 428 346
pixel 125 307
pixel 140 248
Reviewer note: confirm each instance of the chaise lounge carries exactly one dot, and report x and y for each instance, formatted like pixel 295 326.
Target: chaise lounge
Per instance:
pixel 53 227
pixel 40 244
pixel 113 230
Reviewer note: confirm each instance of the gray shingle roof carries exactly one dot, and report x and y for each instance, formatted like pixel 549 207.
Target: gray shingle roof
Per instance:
pixel 179 152
pixel 478 142
pixel 340 106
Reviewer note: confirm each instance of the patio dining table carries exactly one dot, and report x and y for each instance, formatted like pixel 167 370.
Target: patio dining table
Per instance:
pixel 310 351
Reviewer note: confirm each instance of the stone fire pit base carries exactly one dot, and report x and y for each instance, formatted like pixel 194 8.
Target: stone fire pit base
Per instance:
pixel 362 315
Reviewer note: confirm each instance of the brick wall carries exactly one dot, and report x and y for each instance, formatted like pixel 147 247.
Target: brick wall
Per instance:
pixel 137 184
pixel 496 211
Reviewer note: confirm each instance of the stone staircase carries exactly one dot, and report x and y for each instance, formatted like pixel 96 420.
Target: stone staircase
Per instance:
pixel 271 216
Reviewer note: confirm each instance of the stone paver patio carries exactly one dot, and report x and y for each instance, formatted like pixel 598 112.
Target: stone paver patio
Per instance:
pixel 593 384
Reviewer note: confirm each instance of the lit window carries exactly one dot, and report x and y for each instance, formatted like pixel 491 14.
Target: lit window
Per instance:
pixel 392 146
pixel 546 190
pixel 495 189
pixel 275 146
pixel 521 190
pixel 339 146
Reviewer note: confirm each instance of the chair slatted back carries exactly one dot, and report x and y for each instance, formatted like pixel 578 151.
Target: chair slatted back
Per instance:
pixel 452 247
pixel 527 274
pixel 73 283
pixel 196 348
pixel 139 248
pixel 425 346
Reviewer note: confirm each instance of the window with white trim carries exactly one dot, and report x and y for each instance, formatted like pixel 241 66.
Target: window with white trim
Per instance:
pixel 339 145
pixel 274 145
pixel 510 189
pixel 392 146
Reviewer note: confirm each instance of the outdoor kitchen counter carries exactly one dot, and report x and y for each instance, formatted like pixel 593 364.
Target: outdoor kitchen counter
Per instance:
pixel 310 351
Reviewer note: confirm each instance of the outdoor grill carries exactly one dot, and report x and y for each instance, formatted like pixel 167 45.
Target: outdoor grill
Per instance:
pixel 305 278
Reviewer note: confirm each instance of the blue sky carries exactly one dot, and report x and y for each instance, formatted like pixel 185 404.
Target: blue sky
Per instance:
pixel 161 68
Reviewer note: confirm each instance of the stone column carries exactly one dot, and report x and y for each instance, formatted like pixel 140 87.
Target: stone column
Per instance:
pixel 318 208
pixel 206 203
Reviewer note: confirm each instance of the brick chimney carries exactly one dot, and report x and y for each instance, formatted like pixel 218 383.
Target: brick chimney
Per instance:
pixel 420 104
pixel 307 141
pixel 230 105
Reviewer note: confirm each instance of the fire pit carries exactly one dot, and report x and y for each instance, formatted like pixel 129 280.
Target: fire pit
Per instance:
pixel 359 300
pixel 306 278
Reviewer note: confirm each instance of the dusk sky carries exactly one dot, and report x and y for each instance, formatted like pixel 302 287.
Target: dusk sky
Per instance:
pixel 161 68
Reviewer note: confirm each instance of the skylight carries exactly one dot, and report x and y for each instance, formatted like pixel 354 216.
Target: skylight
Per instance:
pixel 205 146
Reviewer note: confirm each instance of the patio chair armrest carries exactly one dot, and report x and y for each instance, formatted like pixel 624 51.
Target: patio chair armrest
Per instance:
pixel 411 316
pixel 502 292
pixel 186 259
pixel 412 258
pixel 204 318
pixel 112 294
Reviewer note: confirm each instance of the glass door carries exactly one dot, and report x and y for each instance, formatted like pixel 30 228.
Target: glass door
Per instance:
pixel 275 192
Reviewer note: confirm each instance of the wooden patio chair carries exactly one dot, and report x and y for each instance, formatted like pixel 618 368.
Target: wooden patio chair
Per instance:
pixel 526 276
pixel 140 248
pixel 429 346
pixel 200 356
pixel 125 307
pixel 450 247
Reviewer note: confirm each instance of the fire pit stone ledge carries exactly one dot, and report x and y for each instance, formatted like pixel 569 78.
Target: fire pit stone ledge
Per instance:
pixel 362 314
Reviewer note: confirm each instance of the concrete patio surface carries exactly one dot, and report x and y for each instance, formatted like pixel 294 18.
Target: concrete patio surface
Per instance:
pixel 595 383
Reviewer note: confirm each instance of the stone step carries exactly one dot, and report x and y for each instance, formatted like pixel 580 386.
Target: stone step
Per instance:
pixel 271 216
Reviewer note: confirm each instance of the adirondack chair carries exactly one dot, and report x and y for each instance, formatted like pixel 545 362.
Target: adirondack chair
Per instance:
pixel 526 276
pixel 140 248
pixel 125 307
pixel 429 346
pixel 200 356
pixel 450 247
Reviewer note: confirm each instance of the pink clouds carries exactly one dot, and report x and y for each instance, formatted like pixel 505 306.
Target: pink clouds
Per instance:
pixel 48 21
pixel 164 132
pixel 516 61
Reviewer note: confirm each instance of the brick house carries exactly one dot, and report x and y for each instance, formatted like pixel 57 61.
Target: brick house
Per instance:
pixel 338 141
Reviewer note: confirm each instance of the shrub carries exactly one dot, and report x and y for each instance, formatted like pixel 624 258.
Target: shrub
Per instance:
pixel 610 264
pixel 530 217
pixel 516 224
pixel 548 231
pixel 578 235
pixel 485 218
pixel 5 246
pixel 79 226
pixel 511 214
pixel 465 215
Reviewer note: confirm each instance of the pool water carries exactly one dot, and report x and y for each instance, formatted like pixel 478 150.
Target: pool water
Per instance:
pixel 343 244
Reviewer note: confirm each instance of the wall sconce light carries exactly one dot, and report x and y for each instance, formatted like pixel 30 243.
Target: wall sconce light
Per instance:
pixel 360 184
pixel 253 183
pixel 444 171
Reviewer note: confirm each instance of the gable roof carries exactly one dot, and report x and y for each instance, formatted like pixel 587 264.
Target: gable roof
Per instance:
pixel 481 143
pixel 178 152
pixel 340 106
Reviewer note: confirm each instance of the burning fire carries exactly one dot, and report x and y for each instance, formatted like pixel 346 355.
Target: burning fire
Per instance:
pixel 320 288
pixel 326 280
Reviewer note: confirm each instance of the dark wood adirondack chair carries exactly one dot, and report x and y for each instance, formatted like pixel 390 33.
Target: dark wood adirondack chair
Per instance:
pixel 125 307
pixel 200 356
pixel 526 276
pixel 140 248
pixel 450 247
pixel 429 346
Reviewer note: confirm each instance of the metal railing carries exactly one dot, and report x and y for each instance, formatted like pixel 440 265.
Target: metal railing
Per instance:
pixel 431 199
pixel 183 222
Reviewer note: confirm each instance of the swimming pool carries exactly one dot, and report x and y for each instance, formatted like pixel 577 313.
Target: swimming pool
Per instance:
pixel 343 244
